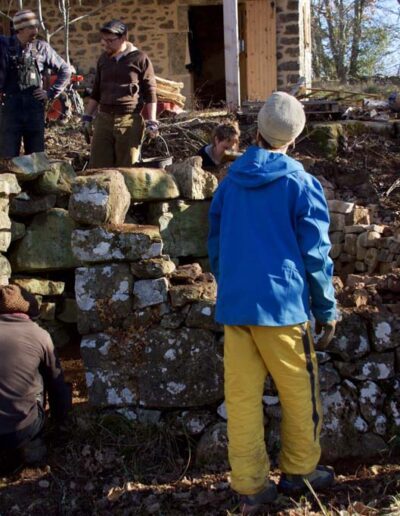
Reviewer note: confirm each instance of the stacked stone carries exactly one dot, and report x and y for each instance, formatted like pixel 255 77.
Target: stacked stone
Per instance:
pixel 9 187
pixel 149 337
pixel 33 195
pixel 358 245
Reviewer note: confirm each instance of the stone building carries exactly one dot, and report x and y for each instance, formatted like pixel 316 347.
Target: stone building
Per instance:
pixel 198 42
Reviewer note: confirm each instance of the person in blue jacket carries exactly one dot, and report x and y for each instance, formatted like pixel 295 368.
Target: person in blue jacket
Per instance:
pixel 269 251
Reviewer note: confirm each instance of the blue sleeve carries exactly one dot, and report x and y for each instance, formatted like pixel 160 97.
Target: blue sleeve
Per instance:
pixel 56 63
pixel 214 220
pixel 313 238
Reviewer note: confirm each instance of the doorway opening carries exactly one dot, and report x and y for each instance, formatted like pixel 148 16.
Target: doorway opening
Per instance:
pixel 207 60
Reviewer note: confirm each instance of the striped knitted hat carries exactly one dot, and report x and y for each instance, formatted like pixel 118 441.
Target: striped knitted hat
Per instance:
pixel 14 299
pixel 25 18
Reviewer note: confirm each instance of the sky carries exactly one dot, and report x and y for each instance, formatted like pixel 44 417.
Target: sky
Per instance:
pixel 388 11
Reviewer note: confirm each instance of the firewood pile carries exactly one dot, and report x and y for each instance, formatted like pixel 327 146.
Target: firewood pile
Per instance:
pixel 184 135
pixel 170 91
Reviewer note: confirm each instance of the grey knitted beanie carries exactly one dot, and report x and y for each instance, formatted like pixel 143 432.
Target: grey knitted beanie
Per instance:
pixel 281 119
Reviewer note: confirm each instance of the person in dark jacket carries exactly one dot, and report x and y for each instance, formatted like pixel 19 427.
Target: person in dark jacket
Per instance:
pixel 269 250
pixel 225 137
pixel 29 372
pixel 23 61
pixel 124 85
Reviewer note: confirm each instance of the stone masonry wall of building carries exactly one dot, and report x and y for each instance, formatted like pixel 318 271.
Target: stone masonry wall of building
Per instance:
pixel 289 36
pixel 160 28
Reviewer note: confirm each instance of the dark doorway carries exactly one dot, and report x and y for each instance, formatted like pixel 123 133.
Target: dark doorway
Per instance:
pixel 206 44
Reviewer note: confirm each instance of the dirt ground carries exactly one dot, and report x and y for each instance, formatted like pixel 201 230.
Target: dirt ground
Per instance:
pixel 102 464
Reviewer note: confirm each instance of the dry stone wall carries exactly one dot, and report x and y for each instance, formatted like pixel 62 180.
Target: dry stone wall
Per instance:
pixel 116 255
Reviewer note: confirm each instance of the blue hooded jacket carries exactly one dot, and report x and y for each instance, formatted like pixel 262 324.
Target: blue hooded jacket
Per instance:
pixel 268 243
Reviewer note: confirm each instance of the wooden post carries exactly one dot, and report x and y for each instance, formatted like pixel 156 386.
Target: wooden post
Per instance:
pixel 231 44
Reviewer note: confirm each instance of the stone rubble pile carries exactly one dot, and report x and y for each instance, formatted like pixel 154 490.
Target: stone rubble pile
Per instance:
pixel 121 257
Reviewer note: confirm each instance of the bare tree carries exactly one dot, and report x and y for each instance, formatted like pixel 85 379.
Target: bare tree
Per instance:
pixel 64 7
pixel 351 37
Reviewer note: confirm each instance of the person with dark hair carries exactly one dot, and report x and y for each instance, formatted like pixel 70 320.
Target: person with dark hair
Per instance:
pixel 29 372
pixel 225 137
pixel 269 251
pixel 23 61
pixel 124 85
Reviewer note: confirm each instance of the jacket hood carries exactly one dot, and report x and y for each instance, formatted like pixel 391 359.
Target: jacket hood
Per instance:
pixel 258 167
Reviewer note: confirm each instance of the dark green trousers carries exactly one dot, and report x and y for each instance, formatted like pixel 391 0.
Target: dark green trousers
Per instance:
pixel 116 140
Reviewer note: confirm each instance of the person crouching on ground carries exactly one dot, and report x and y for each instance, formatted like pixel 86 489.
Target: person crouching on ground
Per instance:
pixel 29 368
pixel 269 250
pixel 225 137
pixel 124 85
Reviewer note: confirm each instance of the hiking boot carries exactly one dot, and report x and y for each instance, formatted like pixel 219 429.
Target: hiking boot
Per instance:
pixel 321 478
pixel 251 504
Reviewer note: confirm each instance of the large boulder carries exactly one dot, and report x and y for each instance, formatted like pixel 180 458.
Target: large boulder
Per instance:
pixel 100 198
pixel 183 226
pixel 103 295
pixel 26 205
pixel 57 179
pixel 342 424
pixel 40 286
pixel 26 167
pixel 5 270
pixel 126 242
pixel 9 185
pixel 376 366
pixel 160 368
pixel 193 182
pixel 5 231
pixel 149 184
pixel 385 330
pixel 46 244
pixel 153 267
pixel 351 340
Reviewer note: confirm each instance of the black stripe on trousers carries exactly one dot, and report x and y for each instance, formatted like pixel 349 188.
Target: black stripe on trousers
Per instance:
pixel 311 372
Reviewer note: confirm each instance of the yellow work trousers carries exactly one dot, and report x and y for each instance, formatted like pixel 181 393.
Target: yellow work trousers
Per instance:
pixel 287 353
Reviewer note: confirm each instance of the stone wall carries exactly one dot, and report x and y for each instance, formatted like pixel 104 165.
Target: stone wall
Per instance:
pixel 160 29
pixel 121 256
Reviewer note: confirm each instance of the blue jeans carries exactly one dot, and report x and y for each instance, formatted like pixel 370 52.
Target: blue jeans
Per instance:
pixel 21 119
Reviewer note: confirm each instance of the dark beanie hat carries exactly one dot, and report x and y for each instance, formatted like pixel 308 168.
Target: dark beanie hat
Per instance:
pixel 14 299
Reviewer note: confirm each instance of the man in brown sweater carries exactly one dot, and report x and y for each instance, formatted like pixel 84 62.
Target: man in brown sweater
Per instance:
pixel 29 369
pixel 123 85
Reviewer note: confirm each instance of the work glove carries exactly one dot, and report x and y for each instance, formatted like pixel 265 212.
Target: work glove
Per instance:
pixel 40 94
pixel 325 331
pixel 87 127
pixel 151 128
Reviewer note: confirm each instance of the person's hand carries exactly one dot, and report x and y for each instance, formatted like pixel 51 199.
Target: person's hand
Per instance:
pixel 151 128
pixel 40 94
pixel 87 127
pixel 325 332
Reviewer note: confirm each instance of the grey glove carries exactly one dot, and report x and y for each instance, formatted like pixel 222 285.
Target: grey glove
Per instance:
pixel 327 332
pixel 151 128
pixel 87 127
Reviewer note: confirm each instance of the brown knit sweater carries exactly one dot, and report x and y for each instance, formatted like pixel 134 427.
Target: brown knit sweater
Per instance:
pixel 124 85
pixel 26 355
